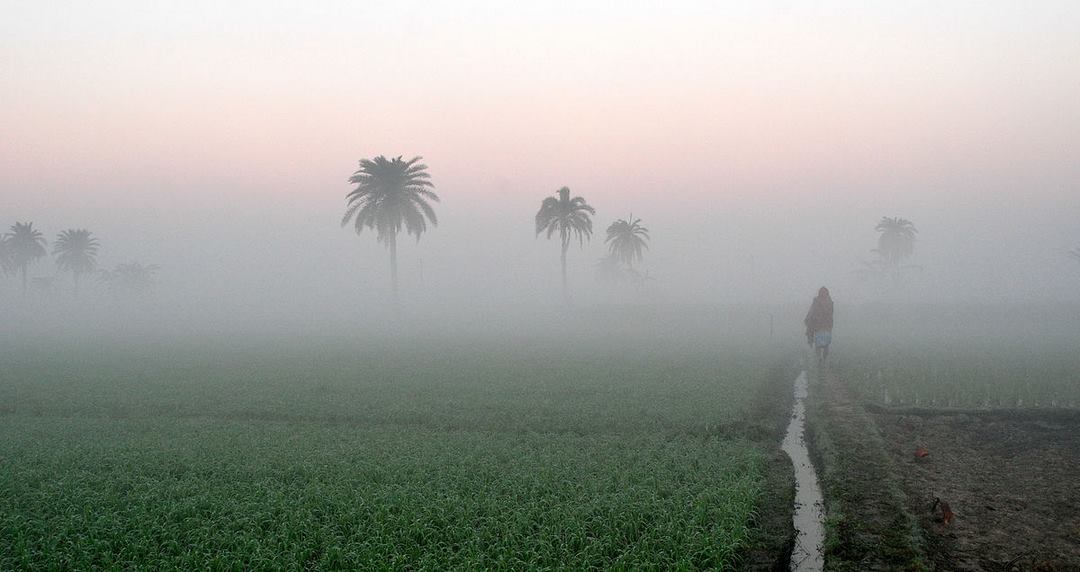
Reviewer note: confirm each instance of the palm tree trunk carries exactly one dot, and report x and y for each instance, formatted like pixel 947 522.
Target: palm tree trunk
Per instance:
pixel 393 267
pixel 76 278
pixel 565 290
pixel 23 268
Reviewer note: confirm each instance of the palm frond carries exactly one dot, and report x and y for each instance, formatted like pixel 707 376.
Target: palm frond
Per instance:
pixel 627 239
pixel 76 251
pixel 25 245
pixel 391 194
pixel 896 239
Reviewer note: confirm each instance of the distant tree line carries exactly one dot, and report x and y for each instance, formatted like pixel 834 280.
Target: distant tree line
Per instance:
pixel 392 195
pixel 75 251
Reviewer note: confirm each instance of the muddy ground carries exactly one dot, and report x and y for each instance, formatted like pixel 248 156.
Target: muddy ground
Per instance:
pixel 1011 479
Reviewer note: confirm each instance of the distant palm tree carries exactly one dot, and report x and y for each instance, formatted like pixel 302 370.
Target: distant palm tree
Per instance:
pixel 76 252
pixel 569 217
pixel 391 194
pixel 131 279
pixel 626 239
pixel 896 240
pixel 25 245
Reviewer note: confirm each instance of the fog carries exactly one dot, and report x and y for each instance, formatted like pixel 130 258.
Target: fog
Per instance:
pixel 757 188
pixel 285 263
pixel 697 284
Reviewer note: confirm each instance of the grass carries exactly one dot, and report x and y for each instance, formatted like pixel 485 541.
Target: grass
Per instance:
pixel 544 386
pixel 434 455
pixel 963 357
pixel 990 376
pixel 868 525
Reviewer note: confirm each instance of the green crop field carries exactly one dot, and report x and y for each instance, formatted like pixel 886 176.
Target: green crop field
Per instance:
pixel 966 359
pixel 428 454
pixel 993 377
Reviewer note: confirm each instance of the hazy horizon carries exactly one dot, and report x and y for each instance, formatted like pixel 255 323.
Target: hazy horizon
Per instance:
pixel 760 145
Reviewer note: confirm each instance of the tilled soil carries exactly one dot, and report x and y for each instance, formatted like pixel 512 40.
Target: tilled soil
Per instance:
pixel 1011 481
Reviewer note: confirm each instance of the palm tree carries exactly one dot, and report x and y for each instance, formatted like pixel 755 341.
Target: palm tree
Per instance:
pixel 569 217
pixel 896 241
pixel 626 238
pixel 76 252
pixel 25 245
pixel 391 194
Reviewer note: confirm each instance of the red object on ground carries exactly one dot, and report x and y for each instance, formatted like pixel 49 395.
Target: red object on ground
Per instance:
pixel 946 513
pixel 921 452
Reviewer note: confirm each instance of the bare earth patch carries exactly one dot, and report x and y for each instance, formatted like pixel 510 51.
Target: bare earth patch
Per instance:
pixel 1012 481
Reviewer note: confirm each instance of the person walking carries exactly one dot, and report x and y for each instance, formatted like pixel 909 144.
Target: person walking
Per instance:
pixel 819 324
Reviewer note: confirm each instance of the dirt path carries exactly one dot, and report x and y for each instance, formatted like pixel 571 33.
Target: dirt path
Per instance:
pixel 1012 483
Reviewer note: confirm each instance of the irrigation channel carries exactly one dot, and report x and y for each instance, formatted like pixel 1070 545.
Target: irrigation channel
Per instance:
pixel 808 514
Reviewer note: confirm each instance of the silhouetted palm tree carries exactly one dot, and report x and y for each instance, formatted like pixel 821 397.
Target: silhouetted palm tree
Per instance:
pixel 896 240
pixel 626 240
pixel 391 194
pixel 25 245
pixel 569 217
pixel 131 279
pixel 76 252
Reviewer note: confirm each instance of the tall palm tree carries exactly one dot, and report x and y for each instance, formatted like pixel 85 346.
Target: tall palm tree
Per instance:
pixel 25 245
pixel 391 194
pixel 896 241
pixel 626 239
pixel 569 217
pixel 76 252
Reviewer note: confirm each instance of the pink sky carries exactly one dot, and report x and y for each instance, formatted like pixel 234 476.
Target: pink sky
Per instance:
pixel 760 141
pixel 283 98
